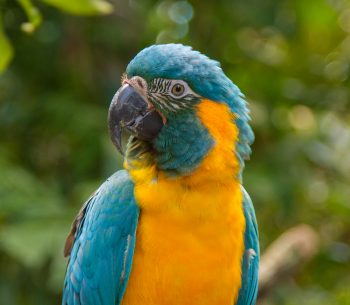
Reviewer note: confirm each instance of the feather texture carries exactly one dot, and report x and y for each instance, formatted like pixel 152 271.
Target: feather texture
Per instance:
pixel 187 182
pixel 250 264
pixel 104 239
pixel 204 76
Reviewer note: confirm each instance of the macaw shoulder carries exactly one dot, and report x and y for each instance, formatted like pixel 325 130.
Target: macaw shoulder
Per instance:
pixel 115 197
pixel 119 183
pixel 101 244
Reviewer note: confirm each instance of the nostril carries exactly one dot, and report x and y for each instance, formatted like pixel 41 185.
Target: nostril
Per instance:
pixel 140 83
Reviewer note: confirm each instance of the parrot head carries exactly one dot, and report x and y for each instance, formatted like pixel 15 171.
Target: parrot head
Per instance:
pixel 179 107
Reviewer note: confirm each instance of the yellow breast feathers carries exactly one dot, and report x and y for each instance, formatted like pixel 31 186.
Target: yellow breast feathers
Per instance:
pixel 190 241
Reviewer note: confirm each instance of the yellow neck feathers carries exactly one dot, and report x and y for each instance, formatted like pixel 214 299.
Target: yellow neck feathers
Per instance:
pixel 189 243
pixel 220 166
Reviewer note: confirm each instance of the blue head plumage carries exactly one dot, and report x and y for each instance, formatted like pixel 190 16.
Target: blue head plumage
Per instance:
pixel 206 78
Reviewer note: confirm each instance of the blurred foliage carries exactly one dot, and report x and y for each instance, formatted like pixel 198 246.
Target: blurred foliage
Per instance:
pixel 290 57
pixel 78 7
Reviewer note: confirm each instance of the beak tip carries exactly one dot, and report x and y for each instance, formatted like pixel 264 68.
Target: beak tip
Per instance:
pixel 116 136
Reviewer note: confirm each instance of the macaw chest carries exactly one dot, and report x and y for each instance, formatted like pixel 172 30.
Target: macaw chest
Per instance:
pixel 187 260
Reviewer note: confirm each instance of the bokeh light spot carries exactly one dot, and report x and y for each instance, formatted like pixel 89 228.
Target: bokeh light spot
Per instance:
pixel 181 12
pixel 302 118
pixel 344 20
pixel 318 191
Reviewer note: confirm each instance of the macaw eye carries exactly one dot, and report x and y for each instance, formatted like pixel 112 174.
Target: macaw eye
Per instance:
pixel 178 89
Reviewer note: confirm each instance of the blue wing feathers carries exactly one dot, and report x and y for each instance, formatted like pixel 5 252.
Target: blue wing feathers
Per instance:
pixel 250 263
pixel 101 256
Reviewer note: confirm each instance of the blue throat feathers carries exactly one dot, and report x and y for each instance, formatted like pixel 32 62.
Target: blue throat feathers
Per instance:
pixel 182 145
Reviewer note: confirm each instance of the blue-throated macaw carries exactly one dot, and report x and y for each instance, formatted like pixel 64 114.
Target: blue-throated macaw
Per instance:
pixel 176 226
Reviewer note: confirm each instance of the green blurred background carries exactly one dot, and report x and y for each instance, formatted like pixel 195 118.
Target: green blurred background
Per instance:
pixel 290 57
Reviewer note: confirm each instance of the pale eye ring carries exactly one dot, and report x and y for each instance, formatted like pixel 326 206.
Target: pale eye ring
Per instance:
pixel 178 89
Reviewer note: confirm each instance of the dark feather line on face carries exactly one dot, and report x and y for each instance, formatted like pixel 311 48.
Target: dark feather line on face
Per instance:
pixel 162 103
pixel 168 83
pixel 161 86
pixel 167 105
pixel 157 103
pixel 166 102
pixel 159 95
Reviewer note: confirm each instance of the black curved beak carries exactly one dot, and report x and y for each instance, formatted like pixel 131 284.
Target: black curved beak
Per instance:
pixel 129 110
